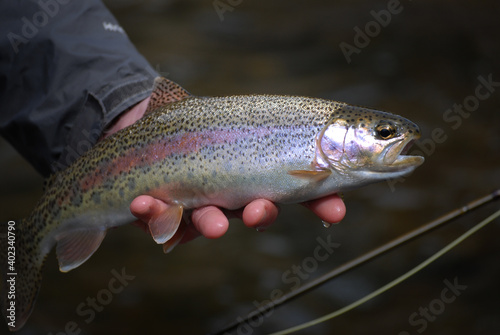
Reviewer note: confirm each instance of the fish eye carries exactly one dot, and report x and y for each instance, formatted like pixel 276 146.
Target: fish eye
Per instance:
pixel 385 131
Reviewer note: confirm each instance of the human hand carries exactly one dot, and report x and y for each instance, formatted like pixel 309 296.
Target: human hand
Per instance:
pixel 211 221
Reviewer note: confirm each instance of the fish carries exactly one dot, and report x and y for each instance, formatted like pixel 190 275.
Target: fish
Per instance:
pixel 191 151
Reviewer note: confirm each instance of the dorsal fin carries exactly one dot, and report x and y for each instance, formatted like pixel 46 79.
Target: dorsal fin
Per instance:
pixel 165 91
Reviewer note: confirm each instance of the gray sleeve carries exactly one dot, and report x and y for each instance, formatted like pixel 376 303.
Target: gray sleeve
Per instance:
pixel 67 69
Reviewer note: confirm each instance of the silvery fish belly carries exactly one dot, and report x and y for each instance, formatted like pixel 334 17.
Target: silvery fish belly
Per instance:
pixel 194 151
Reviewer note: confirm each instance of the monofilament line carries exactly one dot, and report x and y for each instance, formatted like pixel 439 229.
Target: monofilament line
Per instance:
pixel 366 257
pixel 395 281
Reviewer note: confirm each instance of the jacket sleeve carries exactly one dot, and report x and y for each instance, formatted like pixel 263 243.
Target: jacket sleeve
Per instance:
pixel 67 69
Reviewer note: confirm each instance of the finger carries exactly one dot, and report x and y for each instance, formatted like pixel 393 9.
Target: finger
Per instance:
pixel 190 234
pixel 145 209
pixel 210 221
pixel 330 208
pixel 260 213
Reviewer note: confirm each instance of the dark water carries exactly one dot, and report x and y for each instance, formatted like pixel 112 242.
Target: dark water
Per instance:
pixel 427 57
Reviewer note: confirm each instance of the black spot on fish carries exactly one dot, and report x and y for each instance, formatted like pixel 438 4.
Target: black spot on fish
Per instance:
pixel 165 178
pixel 76 200
pixel 96 197
pixel 131 184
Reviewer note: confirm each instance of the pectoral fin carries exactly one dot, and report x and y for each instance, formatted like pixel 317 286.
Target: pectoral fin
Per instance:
pixel 76 246
pixel 314 175
pixel 164 227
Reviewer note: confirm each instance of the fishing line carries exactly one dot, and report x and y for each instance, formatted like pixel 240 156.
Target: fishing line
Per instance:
pixel 394 282
pixel 441 221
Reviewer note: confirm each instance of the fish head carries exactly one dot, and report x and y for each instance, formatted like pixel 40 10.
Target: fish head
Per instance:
pixel 367 144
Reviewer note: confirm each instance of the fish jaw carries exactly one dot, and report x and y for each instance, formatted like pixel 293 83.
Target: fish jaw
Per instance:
pixel 394 158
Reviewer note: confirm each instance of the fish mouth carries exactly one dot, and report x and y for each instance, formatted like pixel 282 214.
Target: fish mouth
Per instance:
pixel 394 157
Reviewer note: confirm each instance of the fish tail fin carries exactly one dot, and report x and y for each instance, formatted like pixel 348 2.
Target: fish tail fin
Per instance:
pixel 21 262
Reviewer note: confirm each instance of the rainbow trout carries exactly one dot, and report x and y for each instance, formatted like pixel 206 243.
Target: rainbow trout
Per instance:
pixel 194 151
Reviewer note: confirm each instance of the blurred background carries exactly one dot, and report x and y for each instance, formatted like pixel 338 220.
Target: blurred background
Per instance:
pixel 429 57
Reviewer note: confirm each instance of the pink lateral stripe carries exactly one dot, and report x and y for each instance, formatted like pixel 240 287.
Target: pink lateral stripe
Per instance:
pixel 186 143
